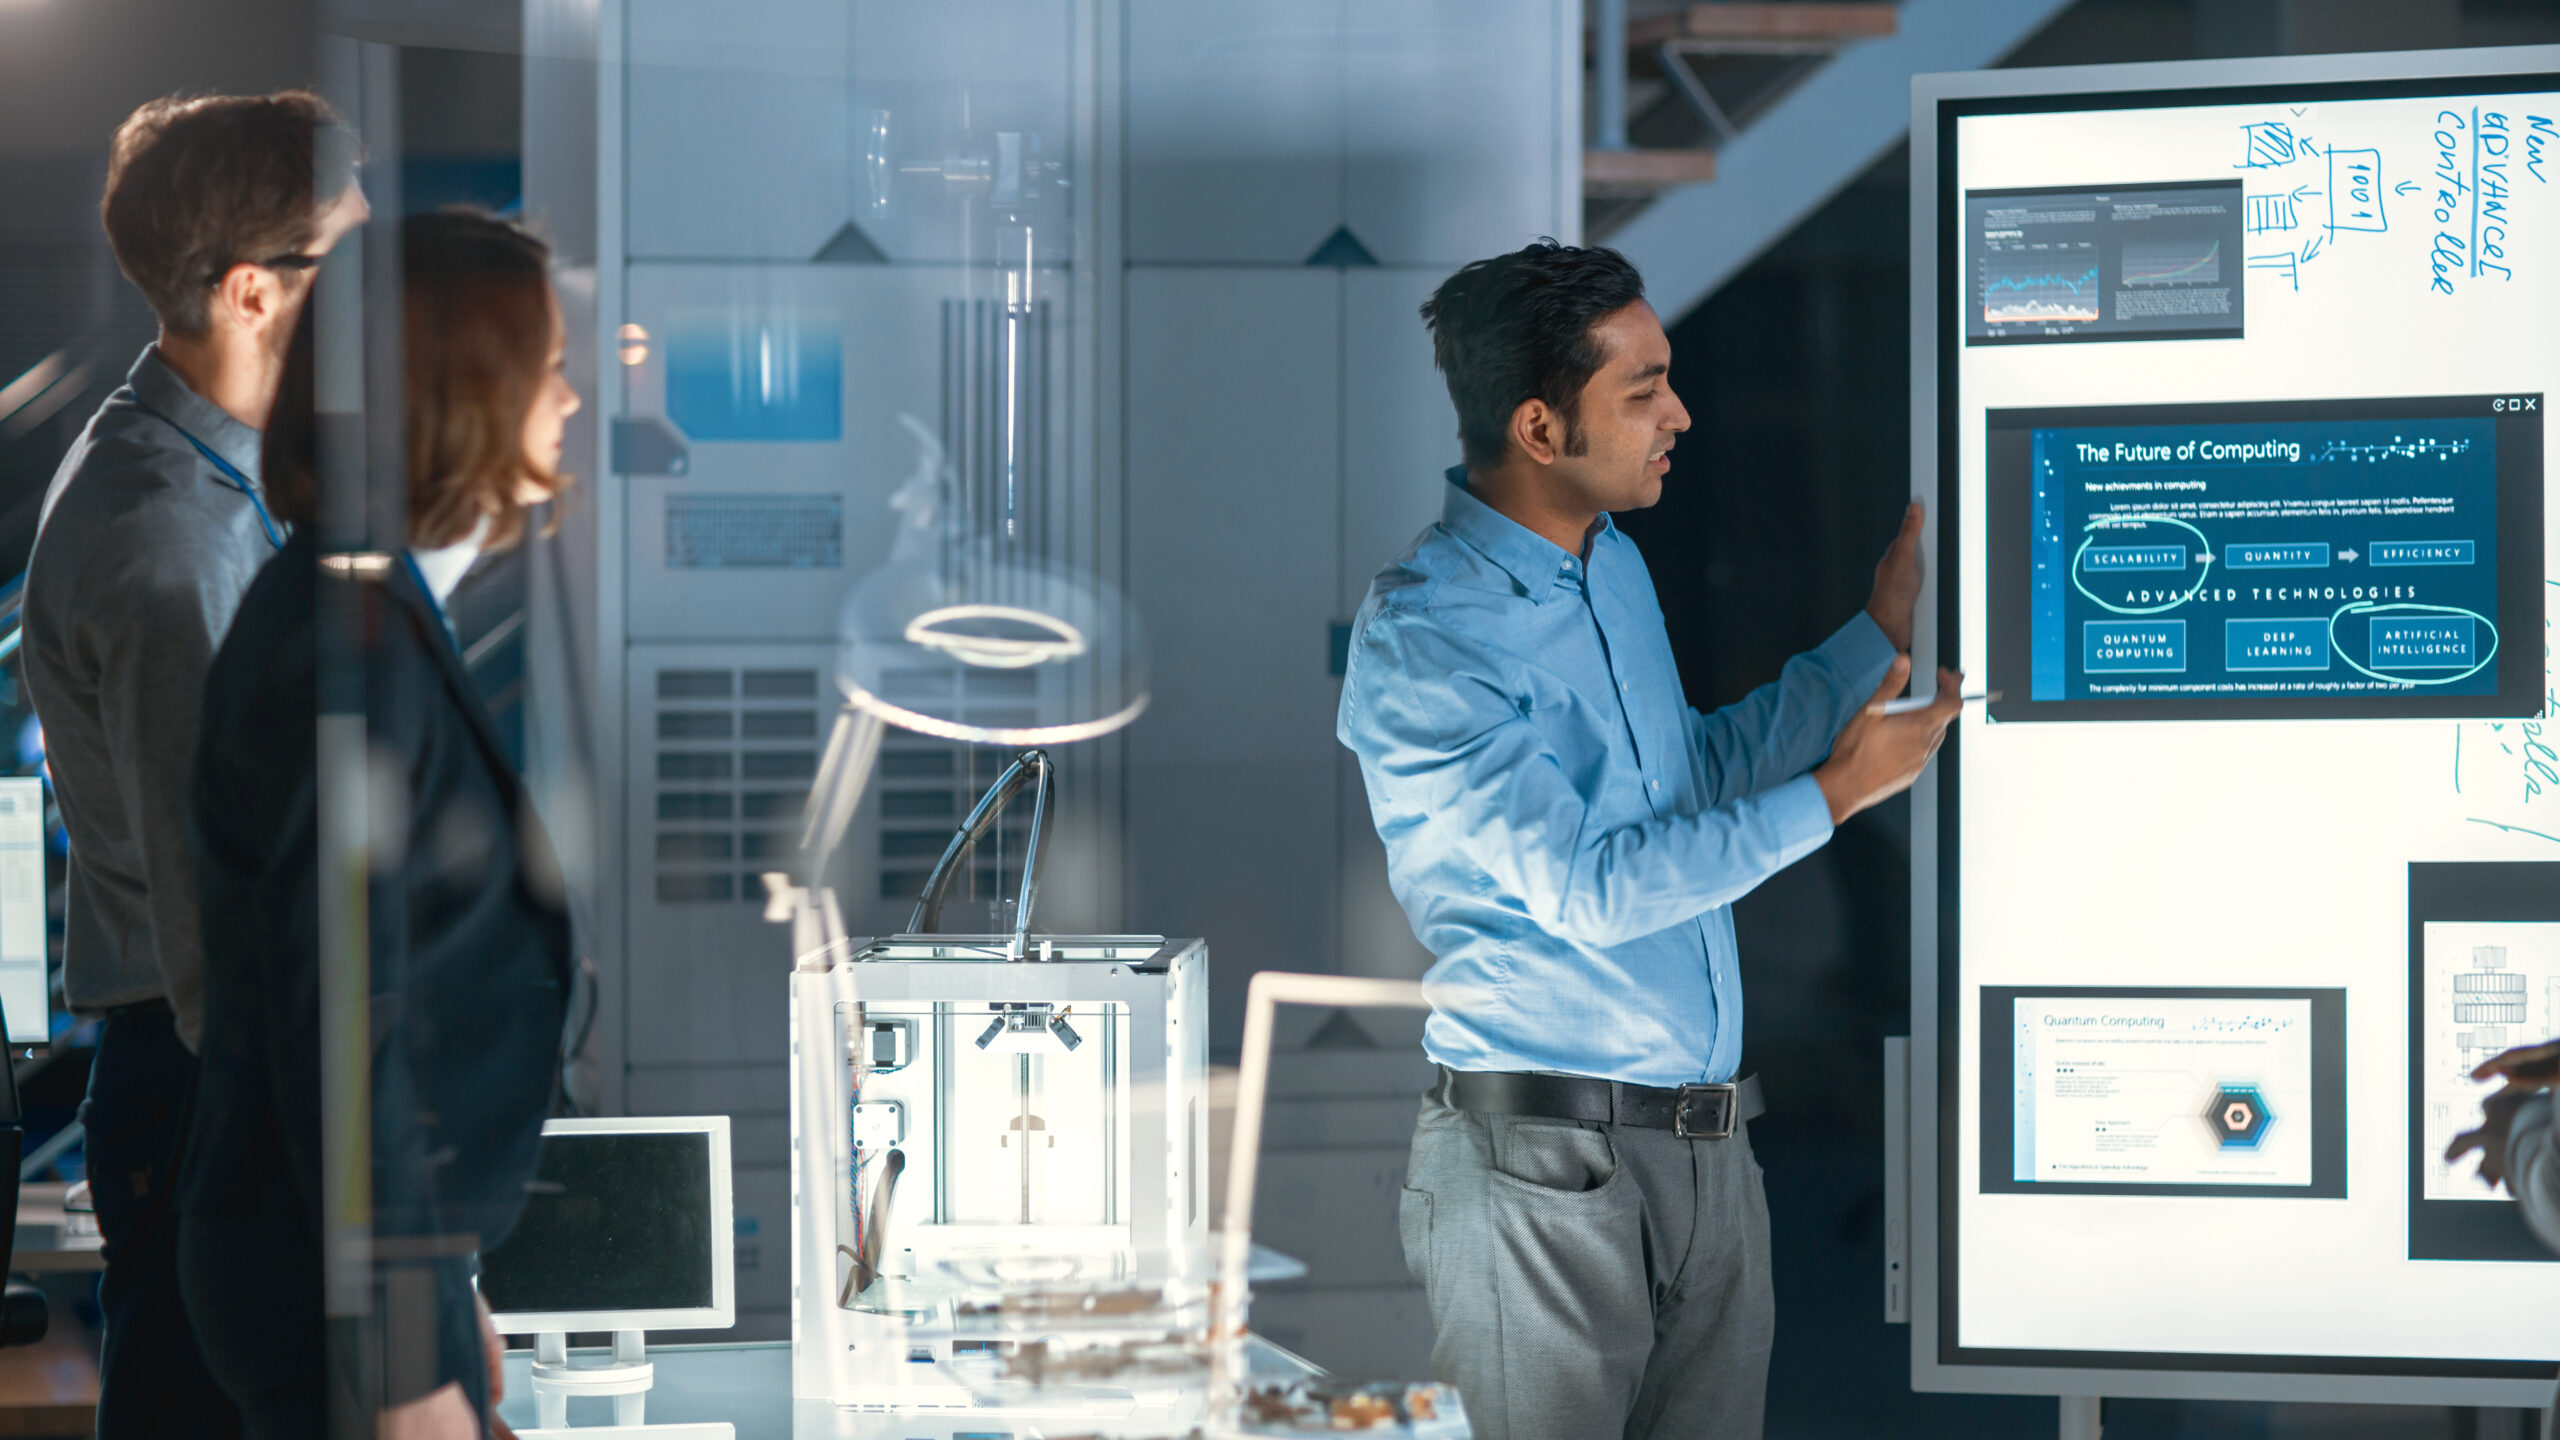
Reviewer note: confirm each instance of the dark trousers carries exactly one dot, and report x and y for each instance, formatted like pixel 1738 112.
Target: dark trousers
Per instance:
pixel 253 1283
pixel 152 1379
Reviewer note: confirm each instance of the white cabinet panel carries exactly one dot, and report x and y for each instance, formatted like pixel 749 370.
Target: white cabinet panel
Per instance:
pixel 1453 109
pixel 1235 128
pixel 879 336
pixel 1399 436
pixel 722 741
pixel 739 134
pixel 1233 445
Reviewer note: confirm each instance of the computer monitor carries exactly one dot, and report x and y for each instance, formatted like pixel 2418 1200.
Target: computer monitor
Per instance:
pixel 23 992
pixel 626 1228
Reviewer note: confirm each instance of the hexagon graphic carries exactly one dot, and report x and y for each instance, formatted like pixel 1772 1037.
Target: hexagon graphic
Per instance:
pixel 2238 1117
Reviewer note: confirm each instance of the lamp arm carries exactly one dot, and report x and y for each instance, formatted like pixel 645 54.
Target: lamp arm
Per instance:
pixel 1033 768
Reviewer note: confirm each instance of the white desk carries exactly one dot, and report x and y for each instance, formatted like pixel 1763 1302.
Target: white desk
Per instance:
pixel 49 1241
pixel 750 1387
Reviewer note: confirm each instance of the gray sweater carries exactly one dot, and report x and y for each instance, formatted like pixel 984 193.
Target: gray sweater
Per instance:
pixel 142 554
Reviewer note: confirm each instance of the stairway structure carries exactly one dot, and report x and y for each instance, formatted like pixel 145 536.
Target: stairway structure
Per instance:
pixel 1718 125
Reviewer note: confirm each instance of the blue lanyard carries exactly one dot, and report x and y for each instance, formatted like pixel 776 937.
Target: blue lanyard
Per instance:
pixel 226 472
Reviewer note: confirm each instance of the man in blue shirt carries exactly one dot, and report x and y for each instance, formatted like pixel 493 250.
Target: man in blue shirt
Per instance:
pixel 1566 835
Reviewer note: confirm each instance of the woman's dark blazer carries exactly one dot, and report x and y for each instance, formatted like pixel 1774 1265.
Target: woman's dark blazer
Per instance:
pixel 469 964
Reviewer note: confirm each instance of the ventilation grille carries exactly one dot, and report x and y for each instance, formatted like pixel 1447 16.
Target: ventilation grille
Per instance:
pixel 735 751
pixel 926 788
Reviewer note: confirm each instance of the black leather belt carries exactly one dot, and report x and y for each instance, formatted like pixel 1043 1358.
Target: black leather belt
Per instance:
pixel 1692 1112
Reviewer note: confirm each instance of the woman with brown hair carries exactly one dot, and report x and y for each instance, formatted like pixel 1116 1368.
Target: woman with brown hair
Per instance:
pixel 469 942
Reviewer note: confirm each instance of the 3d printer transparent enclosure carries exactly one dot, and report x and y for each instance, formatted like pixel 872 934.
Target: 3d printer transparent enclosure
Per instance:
pixel 1002 1174
pixel 1020 1134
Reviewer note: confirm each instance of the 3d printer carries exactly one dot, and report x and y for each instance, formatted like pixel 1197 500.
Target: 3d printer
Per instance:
pixel 999 1149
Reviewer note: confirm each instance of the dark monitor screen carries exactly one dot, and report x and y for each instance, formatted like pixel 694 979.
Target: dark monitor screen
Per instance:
pixel 613 1220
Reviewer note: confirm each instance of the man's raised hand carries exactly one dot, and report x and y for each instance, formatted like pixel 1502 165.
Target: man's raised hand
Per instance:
pixel 1876 756
pixel 1898 580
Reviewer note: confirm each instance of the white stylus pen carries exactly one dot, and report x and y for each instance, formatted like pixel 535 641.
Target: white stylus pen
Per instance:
pixel 1909 703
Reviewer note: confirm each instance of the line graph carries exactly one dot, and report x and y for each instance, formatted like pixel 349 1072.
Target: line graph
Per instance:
pixel 2156 260
pixel 2038 292
pixel 2172 262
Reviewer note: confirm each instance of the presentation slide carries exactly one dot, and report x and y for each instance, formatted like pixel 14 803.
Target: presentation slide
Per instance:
pixel 2264 560
pixel 2119 262
pixel 2484 978
pixel 2164 1092
pixel 2241 509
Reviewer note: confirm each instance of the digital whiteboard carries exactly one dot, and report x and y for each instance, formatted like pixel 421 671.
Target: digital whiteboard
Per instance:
pixel 2232 381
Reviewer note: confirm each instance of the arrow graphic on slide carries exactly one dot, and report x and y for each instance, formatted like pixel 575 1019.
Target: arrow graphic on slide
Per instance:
pixel 2348 556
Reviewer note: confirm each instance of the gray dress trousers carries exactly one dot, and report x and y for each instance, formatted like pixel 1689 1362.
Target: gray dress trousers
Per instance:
pixel 1589 1281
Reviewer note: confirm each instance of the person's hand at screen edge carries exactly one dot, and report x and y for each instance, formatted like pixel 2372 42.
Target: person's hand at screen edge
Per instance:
pixel 1898 574
pixel 1876 756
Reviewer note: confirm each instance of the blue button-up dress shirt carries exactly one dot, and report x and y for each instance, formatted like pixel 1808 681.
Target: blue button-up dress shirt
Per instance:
pixel 1565 833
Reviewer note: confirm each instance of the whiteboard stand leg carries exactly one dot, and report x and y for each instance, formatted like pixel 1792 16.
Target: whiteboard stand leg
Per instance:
pixel 2080 1417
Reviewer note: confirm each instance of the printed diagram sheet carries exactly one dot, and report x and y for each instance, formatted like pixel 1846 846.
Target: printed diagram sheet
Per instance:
pixel 2489 986
pixel 2161 1091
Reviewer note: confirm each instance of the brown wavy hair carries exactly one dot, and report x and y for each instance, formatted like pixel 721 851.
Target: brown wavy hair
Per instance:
pixel 478 325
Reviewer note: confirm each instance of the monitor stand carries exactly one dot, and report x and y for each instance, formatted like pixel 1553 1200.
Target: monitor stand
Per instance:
pixel 626 1377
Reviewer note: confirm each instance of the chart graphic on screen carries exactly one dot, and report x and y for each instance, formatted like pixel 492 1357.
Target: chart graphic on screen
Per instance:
pixel 2122 262
pixel 2040 289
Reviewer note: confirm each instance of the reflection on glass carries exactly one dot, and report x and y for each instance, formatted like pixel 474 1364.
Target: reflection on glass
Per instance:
pixel 968 633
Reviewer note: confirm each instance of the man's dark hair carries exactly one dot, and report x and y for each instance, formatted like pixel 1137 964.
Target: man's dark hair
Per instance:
pixel 198 184
pixel 1518 327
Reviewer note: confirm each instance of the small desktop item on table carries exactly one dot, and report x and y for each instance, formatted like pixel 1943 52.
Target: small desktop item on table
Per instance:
pixel 626 1228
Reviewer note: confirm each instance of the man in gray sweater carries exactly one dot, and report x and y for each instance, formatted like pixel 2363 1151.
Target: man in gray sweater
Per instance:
pixel 218 208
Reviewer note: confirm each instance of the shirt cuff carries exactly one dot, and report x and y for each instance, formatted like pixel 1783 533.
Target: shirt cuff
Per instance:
pixel 1860 651
pixel 1798 815
pixel 2527 1162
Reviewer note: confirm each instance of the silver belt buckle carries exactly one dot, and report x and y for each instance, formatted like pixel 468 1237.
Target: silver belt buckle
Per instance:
pixel 1704 1112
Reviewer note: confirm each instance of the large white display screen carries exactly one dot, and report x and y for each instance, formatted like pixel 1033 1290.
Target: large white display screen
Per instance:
pixel 2244 518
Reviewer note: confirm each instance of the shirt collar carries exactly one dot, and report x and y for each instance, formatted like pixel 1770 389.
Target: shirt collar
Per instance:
pixel 443 568
pixel 1526 556
pixel 164 390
